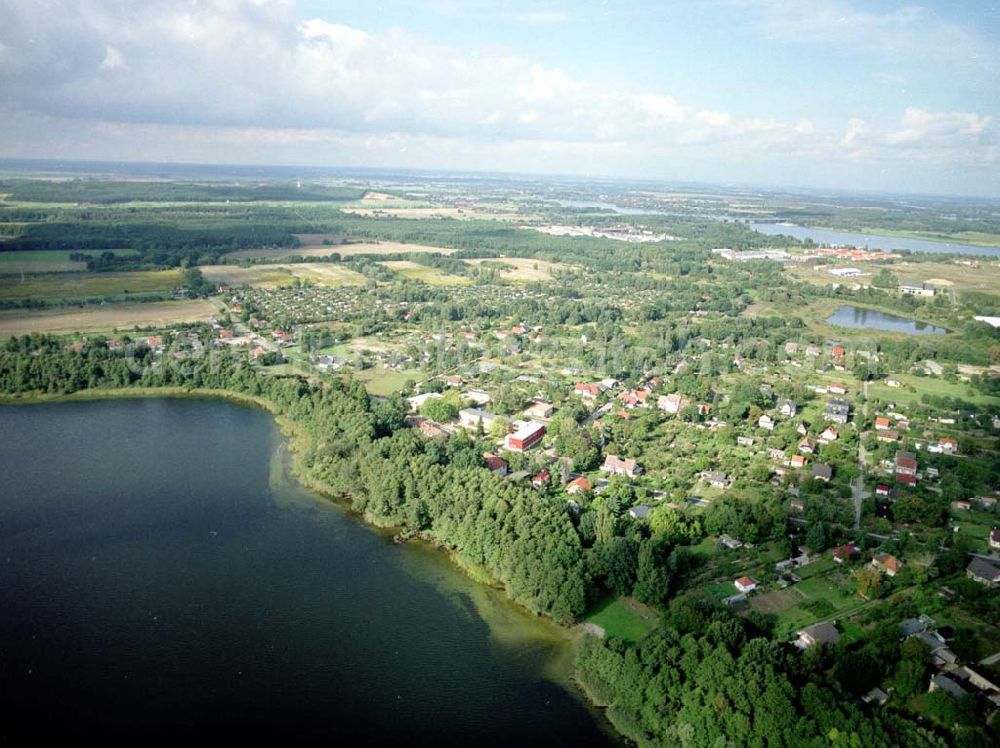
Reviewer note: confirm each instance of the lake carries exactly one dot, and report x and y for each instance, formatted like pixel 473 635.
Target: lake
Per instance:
pixel 857 317
pixel 162 578
pixel 872 241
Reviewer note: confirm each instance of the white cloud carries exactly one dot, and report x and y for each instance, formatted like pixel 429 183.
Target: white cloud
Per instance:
pixel 908 31
pixel 198 72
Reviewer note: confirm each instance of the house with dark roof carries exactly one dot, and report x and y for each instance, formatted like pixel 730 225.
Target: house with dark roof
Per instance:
pixel 819 633
pixel 982 571
pixel 822 471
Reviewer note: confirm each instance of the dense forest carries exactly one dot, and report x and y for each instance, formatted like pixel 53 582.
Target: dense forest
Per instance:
pixel 100 192
pixel 706 677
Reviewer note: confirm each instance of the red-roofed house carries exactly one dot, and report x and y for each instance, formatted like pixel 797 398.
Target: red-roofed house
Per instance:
pixel 882 423
pixel 578 485
pixel 617 466
pixel 541 479
pixel 745 584
pixel 496 463
pixel 843 553
pixel 887 564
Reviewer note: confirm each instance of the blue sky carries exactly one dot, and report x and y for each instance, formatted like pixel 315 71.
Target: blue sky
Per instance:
pixel 830 93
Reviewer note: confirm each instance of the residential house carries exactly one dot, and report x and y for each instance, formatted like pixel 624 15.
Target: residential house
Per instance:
pixel 913 626
pixel 766 422
pixel 838 351
pixel 946 684
pixel 418 400
pixel 887 564
pixel 837 389
pixel 844 552
pixel 889 436
pixel 817 634
pixel 635 398
pixel 797 461
pixel 806 446
pixel 539 410
pixel 587 391
pixel 882 423
pixel 578 485
pixel 745 584
pixel 829 434
pixel 791 347
pixel 717 479
pixel 906 463
pixel 541 478
pixel 837 410
pixel 882 490
pixel 639 511
pixel 496 464
pixel 797 505
pixel 617 466
pixel 822 471
pixel 730 542
pixel 672 403
pixel 470 418
pixel 948 445
pixel 982 571
pixel 744 441
pixel 787 408
pixel 802 429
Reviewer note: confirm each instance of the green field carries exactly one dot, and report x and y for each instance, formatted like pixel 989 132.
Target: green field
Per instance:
pixel 914 386
pixel 384 382
pixel 425 274
pixel 622 619
pixel 46 261
pixel 52 286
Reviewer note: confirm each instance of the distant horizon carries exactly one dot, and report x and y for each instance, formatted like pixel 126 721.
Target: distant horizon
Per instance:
pixel 621 181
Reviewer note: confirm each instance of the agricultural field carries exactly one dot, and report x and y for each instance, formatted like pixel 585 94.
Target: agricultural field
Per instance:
pixel 51 286
pixel 46 261
pixel 377 204
pixel 272 276
pixel 521 269
pixel 313 246
pixel 429 275
pixel 105 318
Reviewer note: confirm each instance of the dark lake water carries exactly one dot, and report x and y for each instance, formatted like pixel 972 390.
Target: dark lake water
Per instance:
pixel 161 579
pixel 853 316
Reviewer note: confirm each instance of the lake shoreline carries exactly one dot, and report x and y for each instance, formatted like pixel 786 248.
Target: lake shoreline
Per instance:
pixel 297 443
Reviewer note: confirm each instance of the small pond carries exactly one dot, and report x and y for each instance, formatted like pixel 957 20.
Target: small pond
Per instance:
pixel 853 316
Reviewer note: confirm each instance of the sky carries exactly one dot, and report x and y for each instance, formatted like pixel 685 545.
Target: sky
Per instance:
pixel 872 95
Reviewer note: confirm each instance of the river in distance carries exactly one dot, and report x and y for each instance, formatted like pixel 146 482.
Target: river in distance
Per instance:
pixel 162 579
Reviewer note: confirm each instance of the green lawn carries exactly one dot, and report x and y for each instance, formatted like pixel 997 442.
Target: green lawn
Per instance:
pixel 384 382
pixel 931 386
pixel 622 618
